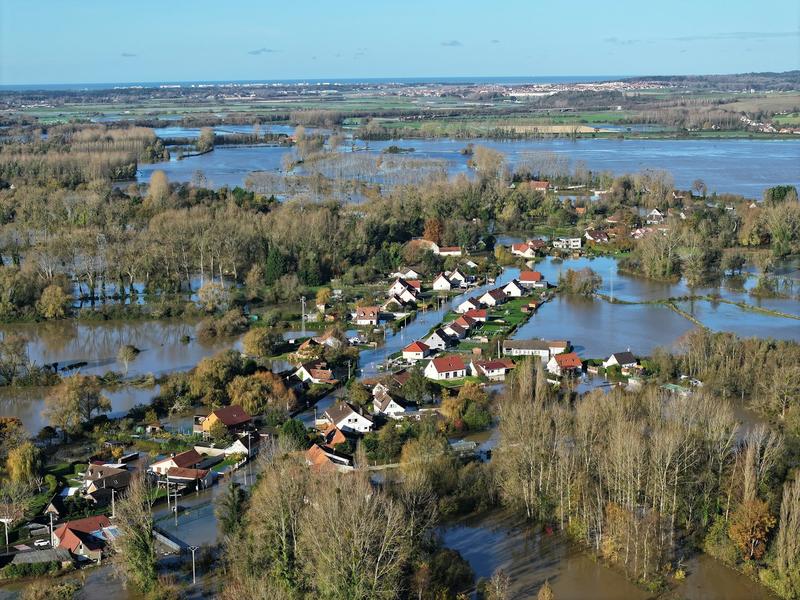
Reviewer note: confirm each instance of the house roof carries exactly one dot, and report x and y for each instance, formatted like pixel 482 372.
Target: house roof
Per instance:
pixel 414 283
pixel 441 276
pixel 95 471
pixel 539 185
pixel 521 247
pixel 476 313
pixel 74 533
pixel 183 460
pixel 40 556
pixel 465 321
pixel 526 345
pixel 417 347
pixel 449 248
pixel 182 473
pixel 368 312
pixel 513 282
pixel 321 458
pixel 333 435
pixel 494 365
pixel 232 415
pixel 530 276
pixel 446 364
pixel 439 332
pixel 568 361
pixel 497 294
pixel 624 358
pixel 383 400
pixel 342 410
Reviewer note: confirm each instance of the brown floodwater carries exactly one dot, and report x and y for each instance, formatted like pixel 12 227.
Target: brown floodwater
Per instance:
pixel 530 557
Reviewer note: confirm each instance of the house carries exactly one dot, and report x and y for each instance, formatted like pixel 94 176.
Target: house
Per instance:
pixel 347 418
pixel 416 351
pixel 192 478
pixel 449 251
pixel 311 347
pixel 320 458
pixel 315 371
pixel 233 417
pixel 539 186
pixel 624 360
pixel 446 367
pixel 407 273
pixel 395 303
pixel 389 405
pixel 333 436
pixel 466 322
pixel 43 556
pixel 442 283
pixel 438 340
pixel 184 460
pixel 493 297
pixel 456 331
pixel 457 278
pixel 479 314
pixel 105 477
pixel 330 338
pixel 598 237
pixel 85 537
pixel 539 348
pixel 563 364
pixel 368 315
pixel 654 217
pixel 514 289
pixel 468 304
pixel 532 279
pixel 567 243
pixel 523 249
pixel 495 370
pixel 406 290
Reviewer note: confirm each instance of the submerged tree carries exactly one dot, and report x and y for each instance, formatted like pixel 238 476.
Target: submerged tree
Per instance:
pixel 136 544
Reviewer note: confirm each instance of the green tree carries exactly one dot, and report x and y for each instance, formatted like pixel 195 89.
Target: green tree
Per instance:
pixel 275 267
pixel 135 544
pixel 294 432
pixel 261 342
pixel 230 509
pixel 53 302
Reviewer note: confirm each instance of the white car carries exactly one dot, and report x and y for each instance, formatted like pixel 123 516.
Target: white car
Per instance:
pixel 42 543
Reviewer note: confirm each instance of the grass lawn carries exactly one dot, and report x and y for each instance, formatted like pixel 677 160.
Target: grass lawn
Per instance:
pixel 457 383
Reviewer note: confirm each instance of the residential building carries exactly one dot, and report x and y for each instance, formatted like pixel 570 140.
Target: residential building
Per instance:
pixel 468 304
pixel 406 290
pixel 654 217
pixel 539 186
pixel 523 249
pixel 438 340
pixel 457 278
pixel 479 314
pixel 105 477
pixel 184 460
pixel 532 279
pixel 466 322
pixel 320 458
pixel 493 297
pixel 446 367
pixel 85 537
pixel 567 243
pixel 233 417
pixel 624 360
pixel 368 315
pixel 416 351
pixel 191 478
pixel 388 404
pixel 315 371
pixel 442 283
pixel 407 273
pixel 496 370
pixel 449 251
pixel 539 348
pixel 598 237
pixel 563 364
pixel 347 418
pixel 514 289
pixel 455 331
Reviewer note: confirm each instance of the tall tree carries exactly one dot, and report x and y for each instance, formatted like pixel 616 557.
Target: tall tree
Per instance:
pixel 136 544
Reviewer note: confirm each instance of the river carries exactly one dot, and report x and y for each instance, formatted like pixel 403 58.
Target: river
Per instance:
pixel 739 166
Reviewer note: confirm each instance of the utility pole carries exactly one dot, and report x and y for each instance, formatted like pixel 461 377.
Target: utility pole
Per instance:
pixel 113 506
pixel 194 574
pixel 51 530
pixel 303 313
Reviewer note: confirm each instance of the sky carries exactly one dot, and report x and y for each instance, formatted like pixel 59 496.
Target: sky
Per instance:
pixel 108 41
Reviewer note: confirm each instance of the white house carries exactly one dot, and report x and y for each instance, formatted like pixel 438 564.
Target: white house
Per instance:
pixel 532 279
pixel 478 314
pixel 446 367
pixel 454 330
pixel 624 360
pixel 493 297
pixel 468 304
pixel 442 283
pixel 438 340
pixel 406 273
pixel 539 348
pixel 345 417
pixel 495 370
pixel 524 250
pixel 598 237
pixel 449 251
pixel 567 243
pixel 513 289
pixel 407 291
pixel 368 315
pixel 184 460
pixel 457 277
pixel 655 217
pixel 416 351
pixel 386 404
pixel 562 364
pixel 315 371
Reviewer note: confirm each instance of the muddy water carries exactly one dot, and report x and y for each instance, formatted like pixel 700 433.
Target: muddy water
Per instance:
pixel 97 344
pixel 530 558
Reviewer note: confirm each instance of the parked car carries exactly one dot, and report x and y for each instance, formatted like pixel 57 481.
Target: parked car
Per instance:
pixel 42 543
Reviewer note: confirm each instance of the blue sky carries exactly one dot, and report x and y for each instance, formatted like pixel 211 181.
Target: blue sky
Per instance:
pixel 88 41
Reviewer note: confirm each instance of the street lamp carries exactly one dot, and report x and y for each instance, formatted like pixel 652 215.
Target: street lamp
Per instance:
pixel 6 521
pixel 194 574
